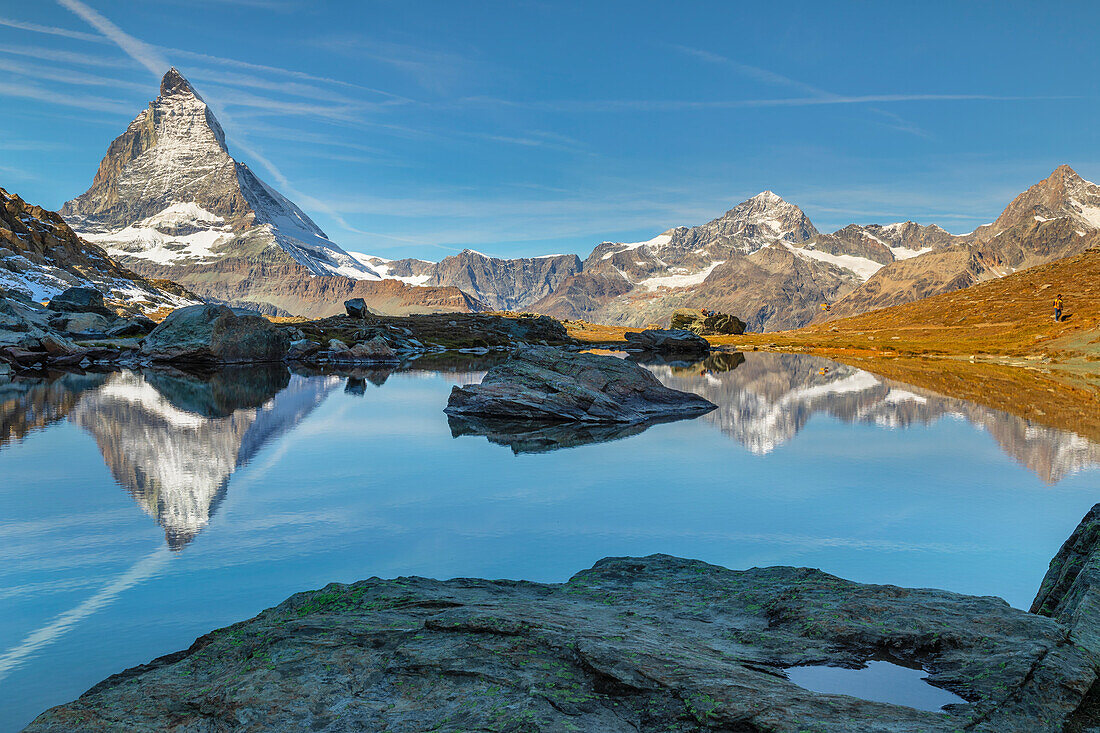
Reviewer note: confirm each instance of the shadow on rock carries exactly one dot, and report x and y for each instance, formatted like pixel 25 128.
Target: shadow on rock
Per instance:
pixel 528 436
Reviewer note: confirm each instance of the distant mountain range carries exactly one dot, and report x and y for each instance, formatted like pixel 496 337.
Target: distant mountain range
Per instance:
pixel 170 202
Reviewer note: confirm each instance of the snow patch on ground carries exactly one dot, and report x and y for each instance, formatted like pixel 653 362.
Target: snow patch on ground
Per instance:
pixel 1091 214
pixel 380 266
pixel 658 241
pixel 861 266
pixel 679 280
pixel 904 253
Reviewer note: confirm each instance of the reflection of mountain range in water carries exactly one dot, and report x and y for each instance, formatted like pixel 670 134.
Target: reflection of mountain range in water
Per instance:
pixel 765 401
pixel 175 445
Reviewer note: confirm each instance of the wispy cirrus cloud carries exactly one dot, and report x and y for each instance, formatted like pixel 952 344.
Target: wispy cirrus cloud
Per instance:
pixel 82 101
pixel 65 57
pixel 52 30
pixel 67 76
pixel 139 51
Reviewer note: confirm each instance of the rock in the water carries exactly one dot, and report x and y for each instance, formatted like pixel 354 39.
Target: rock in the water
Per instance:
pixel 646 644
pixel 302 348
pixel 376 349
pixel 214 333
pixel 357 308
pixel 717 324
pixel 81 300
pixel 543 383
pixel 1070 592
pixel 672 341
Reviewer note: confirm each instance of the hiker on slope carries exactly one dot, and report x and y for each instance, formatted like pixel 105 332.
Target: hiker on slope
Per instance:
pixel 1057 307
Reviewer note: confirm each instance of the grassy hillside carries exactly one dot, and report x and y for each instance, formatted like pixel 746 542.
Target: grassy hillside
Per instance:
pixel 1011 316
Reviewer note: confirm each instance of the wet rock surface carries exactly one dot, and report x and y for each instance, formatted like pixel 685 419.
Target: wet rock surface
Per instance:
pixel 668 341
pixel 551 385
pixel 634 644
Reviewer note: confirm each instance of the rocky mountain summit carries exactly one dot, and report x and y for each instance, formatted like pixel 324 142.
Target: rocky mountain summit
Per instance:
pixel 170 201
pixel 650 644
pixel 169 192
pixel 1054 219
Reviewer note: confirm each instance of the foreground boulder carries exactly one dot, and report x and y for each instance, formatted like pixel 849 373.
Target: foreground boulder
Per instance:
pixel 672 341
pixel 214 334
pixel 81 300
pixel 718 324
pixel 646 644
pixel 1070 592
pixel 547 384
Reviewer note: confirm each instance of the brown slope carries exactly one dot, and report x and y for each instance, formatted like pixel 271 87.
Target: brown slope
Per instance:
pixel 274 278
pixel 1008 316
pixel 582 295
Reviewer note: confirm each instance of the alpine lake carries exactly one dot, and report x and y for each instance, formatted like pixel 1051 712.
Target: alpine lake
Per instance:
pixel 139 510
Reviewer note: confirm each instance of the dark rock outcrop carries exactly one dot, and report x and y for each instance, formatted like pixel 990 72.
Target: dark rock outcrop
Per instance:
pixel 673 341
pixel 715 324
pixel 551 385
pixel 645 644
pixel 214 334
pixel 80 300
pixel 357 308
pixel 1070 591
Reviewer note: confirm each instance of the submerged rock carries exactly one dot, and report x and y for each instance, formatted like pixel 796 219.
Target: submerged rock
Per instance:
pixel 717 324
pixel 545 384
pixel 214 334
pixel 648 644
pixel 671 341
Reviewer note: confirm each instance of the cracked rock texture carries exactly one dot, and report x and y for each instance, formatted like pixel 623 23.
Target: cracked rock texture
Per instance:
pixel 656 643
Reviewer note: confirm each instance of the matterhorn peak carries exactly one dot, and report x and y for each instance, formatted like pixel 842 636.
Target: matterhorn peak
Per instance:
pixel 168 194
pixel 175 83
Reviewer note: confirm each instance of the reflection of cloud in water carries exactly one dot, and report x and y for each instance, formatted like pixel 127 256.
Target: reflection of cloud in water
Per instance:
pixel 765 401
pixel 142 569
pixel 173 440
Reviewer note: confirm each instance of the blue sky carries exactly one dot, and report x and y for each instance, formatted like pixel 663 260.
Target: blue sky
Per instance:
pixel 410 128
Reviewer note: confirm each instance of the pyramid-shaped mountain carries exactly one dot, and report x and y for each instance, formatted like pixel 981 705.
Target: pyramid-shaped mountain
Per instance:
pixel 170 201
pixel 168 192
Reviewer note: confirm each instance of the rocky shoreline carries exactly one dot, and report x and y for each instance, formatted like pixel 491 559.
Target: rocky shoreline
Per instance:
pixel 655 643
pixel 76 330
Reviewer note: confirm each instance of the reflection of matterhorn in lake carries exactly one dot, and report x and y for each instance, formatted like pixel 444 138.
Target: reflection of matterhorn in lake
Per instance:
pixel 173 440
pixel 766 399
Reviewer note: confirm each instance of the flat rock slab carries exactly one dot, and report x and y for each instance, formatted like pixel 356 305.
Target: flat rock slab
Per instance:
pixel 634 644
pixel 552 385
pixel 669 341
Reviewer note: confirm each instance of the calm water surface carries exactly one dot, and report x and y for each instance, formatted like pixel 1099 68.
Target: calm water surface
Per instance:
pixel 138 511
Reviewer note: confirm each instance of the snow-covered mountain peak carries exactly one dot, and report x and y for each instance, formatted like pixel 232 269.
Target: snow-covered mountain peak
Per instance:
pixel 169 193
pixel 765 218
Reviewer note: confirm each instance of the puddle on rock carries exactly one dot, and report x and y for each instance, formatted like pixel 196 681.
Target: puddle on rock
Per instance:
pixel 879 681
